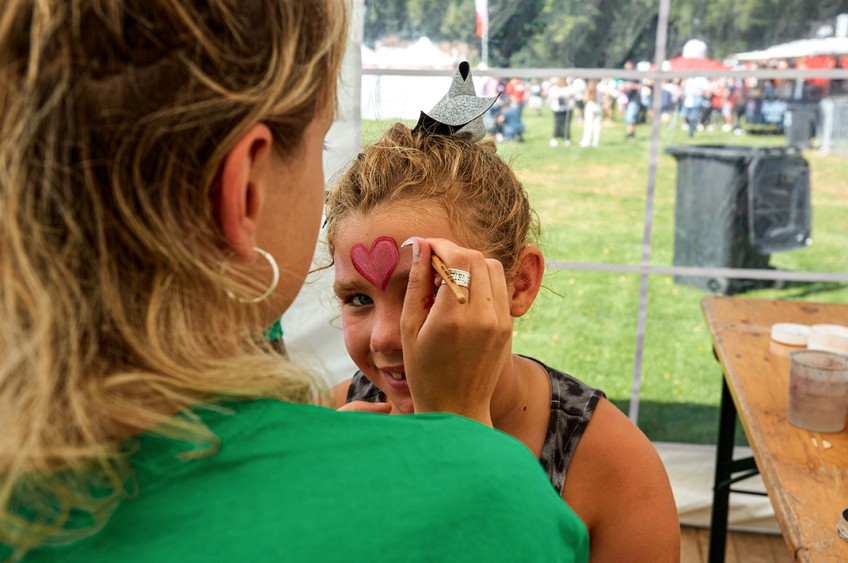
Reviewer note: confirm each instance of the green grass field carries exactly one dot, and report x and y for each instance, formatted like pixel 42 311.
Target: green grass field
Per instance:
pixel 591 203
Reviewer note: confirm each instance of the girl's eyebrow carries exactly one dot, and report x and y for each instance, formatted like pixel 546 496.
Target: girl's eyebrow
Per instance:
pixel 341 287
pixel 352 286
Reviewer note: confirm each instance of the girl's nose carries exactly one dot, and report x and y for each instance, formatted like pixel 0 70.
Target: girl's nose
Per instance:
pixel 385 332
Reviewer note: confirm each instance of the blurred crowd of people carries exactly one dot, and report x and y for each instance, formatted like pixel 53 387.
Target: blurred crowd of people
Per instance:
pixel 569 100
pixel 694 104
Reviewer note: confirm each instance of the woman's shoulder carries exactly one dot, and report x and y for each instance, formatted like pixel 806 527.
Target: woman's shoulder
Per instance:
pixel 449 460
pixel 284 470
pixel 268 421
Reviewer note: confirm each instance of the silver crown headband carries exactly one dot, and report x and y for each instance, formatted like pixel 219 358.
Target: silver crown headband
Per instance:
pixel 460 111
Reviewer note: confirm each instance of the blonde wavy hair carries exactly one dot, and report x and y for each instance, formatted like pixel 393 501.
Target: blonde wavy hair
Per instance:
pixel 115 117
pixel 481 195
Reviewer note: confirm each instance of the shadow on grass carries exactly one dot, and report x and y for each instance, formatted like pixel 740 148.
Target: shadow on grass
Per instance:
pixel 788 290
pixel 801 290
pixel 680 422
pixel 777 289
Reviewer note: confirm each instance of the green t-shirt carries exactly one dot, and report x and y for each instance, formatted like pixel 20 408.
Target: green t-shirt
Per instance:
pixel 304 483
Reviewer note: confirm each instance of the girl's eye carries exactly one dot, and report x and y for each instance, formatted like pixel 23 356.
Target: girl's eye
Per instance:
pixel 358 300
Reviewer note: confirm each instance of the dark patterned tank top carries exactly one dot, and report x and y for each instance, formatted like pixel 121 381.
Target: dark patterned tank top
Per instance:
pixel 572 405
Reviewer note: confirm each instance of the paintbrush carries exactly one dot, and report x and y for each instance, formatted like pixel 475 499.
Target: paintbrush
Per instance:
pixel 442 270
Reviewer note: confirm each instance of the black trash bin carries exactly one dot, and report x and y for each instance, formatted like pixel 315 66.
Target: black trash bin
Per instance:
pixel 799 123
pixel 735 206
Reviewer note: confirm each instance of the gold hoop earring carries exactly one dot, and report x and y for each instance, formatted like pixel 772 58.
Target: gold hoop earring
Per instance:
pixel 275 280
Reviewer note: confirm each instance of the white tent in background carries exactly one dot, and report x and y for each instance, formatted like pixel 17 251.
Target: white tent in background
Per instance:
pixel 403 97
pixel 422 54
pixel 369 57
pixel 311 333
pixel 798 49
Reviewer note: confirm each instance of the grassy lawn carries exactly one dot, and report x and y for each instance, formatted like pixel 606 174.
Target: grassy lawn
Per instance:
pixel 591 203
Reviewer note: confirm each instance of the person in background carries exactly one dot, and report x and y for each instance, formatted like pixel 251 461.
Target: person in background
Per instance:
pixel 646 95
pixel 492 118
pixel 430 181
pixel 592 116
pixel 693 96
pixel 578 94
pixel 511 122
pixel 535 101
pixel 517 90
pixel 674 90
pixel 607 88
pixel 561 102
pixel 739 102
pixel 161 188
pixel 632 90
pixel 728 103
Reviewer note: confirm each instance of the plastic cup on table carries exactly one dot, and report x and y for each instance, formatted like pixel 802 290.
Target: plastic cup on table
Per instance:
pixel 818 390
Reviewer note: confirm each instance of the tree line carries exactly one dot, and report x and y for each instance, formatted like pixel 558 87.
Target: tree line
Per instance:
pixel 599 33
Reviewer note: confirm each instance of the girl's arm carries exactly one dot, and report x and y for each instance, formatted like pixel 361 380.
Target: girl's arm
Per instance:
pixel 340 401
pixel 618 485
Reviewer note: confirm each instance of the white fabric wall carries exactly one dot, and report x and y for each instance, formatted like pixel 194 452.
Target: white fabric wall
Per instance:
pixel 311 327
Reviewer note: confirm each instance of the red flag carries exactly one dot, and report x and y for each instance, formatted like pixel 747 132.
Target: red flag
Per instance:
pixel 482 8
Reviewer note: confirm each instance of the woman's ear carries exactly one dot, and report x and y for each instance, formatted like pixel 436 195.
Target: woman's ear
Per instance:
pixel 528 280
pixel 239 195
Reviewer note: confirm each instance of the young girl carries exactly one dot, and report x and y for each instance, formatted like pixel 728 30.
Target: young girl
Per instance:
pixel 431 182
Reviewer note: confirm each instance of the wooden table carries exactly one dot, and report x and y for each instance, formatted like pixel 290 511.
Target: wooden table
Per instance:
pixel 805 472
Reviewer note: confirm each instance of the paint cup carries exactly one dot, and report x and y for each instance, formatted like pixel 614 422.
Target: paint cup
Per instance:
pixel 818 390
pixel 830 338
pixel 791 334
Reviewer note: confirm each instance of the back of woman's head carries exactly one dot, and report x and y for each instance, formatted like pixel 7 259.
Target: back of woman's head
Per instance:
pixel 485 203
pixel 115 117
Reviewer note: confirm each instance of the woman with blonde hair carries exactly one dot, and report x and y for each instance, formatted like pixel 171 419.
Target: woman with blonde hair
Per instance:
pixel 160 193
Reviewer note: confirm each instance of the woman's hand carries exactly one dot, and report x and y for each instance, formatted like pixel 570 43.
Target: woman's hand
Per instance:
pixel 453 353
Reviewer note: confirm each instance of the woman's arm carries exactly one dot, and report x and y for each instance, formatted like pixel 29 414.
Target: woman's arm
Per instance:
pixel 618 485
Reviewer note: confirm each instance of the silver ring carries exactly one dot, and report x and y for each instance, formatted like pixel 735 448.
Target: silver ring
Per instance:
pixel 460 277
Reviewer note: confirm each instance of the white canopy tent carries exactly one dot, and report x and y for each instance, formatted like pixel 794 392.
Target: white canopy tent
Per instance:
pixel 798 49
pixel 311 335
pixel 403 97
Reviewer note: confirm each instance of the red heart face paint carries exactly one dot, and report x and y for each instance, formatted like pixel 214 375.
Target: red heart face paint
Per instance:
pixel 377 263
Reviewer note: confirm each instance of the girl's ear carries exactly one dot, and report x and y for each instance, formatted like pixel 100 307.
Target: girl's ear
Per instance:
pixel 528 280
pixel 242 182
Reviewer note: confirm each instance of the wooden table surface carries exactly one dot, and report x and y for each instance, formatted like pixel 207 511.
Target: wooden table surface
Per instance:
pixel 805 472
